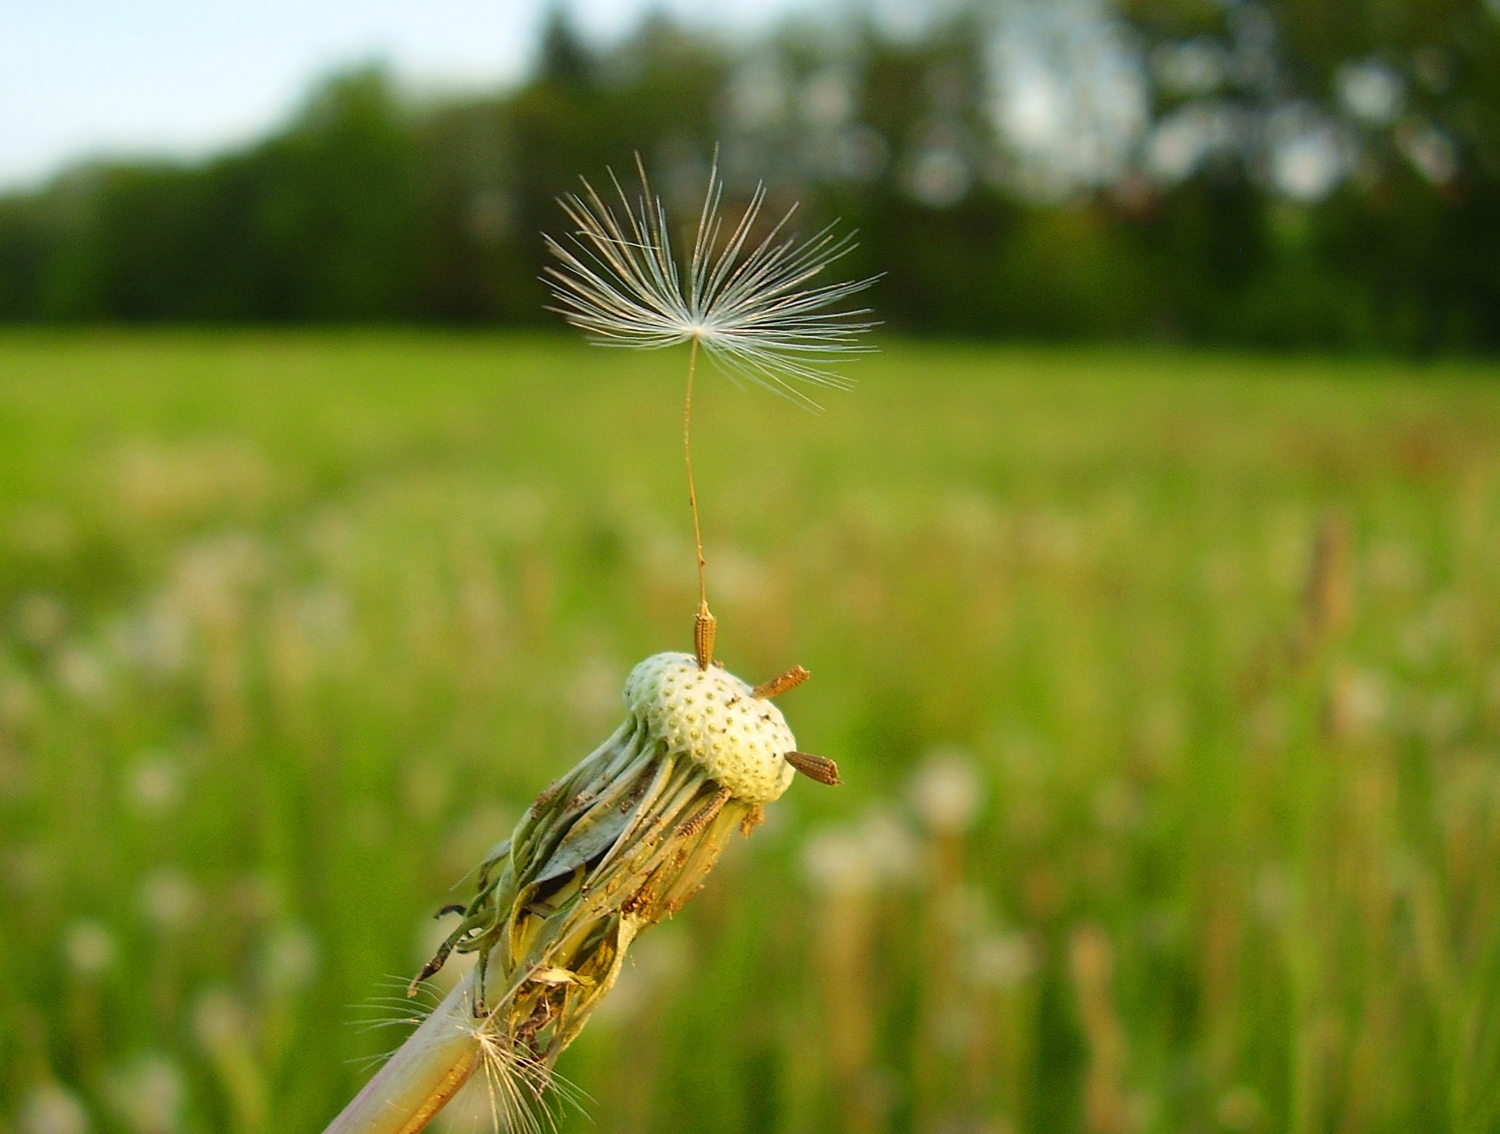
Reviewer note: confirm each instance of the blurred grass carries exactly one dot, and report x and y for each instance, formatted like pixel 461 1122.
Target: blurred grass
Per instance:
pixel 1166 689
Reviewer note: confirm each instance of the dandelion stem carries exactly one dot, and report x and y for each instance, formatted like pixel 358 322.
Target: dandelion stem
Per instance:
pixel 687 454
pixel 423 1074
pixel 704 622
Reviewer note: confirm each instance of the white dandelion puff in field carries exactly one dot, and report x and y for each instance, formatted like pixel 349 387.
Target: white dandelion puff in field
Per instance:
pixel 750 302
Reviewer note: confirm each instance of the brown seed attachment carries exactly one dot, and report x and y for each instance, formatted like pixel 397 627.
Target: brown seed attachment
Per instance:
pixel 780 684
pixel 705 627
pixel 819 768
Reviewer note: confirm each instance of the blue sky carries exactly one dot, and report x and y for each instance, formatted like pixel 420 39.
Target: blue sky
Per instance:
pixel 90 77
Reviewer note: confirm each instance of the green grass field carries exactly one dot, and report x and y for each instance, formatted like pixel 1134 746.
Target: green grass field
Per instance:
pixel 1166 689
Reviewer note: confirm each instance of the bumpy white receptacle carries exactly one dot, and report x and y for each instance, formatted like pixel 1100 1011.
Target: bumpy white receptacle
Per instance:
pixel 710 716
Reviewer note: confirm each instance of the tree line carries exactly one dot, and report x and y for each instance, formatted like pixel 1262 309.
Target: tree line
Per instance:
pixel 1298 173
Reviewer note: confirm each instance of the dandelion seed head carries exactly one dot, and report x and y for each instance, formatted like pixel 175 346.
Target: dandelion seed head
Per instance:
pixel 752 305
pixel 89 948
pixel 714 719
pixel 53 1109
pixel 947 791
pixel 149 1094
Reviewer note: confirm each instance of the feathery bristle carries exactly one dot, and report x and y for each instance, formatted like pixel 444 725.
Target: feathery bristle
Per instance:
pixel 752 307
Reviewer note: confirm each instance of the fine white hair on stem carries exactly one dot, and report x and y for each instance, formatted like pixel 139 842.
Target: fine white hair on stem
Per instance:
pixel 751 305
pixel 520 1090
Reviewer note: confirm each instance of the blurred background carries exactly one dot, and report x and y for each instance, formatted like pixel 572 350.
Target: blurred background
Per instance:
pixel 1274 174
pixel 1148 577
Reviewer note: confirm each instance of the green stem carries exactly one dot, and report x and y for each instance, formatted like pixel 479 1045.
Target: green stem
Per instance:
pixel 687 453
pixel 422 1076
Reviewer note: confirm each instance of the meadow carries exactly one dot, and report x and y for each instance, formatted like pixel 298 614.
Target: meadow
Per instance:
pixel 1166 689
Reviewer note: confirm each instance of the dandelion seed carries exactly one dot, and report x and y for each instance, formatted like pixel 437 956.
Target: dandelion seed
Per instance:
pixel 626 838
pixel 752 307
pixel 617 845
